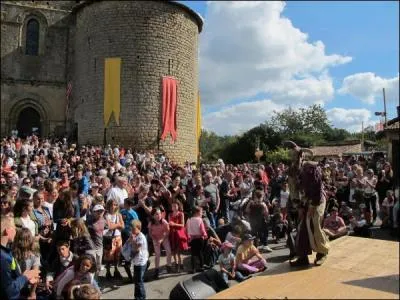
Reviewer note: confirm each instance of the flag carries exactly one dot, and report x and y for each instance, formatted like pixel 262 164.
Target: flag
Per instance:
pixel 198 123
pixel 378 127
pixel 169 106
pixel 68 93
pixel 112 89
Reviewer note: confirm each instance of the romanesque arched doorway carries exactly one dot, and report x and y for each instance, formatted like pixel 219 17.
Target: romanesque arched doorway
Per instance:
pixel 29 122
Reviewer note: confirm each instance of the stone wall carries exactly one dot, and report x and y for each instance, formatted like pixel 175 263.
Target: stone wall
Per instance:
pixel 153 39
pixel 40 79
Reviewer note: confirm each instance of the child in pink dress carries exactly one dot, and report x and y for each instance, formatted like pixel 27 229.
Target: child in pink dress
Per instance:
pixel 159 233
pixel 177 234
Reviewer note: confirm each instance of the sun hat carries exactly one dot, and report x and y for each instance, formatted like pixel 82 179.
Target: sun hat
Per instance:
pixel 248 237
pixel 98 207
pixel 226 245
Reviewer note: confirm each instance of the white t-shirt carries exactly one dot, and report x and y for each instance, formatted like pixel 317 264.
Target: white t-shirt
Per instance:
pixel 142 256
pixel 284 198
pixel 113 219
pixel 119 194
pixel 386 203
pixel 28 223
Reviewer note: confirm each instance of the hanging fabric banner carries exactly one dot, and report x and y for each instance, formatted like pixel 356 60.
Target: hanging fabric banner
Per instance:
pixel 112 89
pixel 169 105
pixel 198 123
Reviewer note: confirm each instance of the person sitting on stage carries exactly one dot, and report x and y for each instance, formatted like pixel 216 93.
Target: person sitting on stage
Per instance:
pixel 227 264
pixel 386 211
pixel 359 223
pixel 334 226
pixel 248 257
pixel 345 212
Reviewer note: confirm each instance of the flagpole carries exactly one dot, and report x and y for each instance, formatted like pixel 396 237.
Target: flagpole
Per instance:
pixel 384 105
pixel 362 136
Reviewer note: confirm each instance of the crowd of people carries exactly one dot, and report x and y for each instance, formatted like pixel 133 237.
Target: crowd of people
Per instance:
pixel 67 212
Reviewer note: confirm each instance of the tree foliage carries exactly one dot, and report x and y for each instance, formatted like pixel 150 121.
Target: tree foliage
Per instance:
pixel 307 127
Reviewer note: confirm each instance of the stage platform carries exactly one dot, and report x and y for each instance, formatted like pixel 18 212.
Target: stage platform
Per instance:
pixel 356 268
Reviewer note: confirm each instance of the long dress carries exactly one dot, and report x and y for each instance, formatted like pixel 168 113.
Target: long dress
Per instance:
pixel 177 235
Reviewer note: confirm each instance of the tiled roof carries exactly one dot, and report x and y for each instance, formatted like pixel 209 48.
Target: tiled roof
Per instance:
pixel 395 125
pixel 335 150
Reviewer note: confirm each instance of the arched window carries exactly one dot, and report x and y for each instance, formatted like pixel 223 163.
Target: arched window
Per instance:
pixel 32 37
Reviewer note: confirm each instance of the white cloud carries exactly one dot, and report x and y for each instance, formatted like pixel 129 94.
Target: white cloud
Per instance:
pixel 350 119
pixel 249 48
pixel 246 115
pixel 240 117
pixel 368 87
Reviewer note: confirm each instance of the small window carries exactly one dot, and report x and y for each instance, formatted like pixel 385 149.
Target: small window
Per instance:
pixel 32 37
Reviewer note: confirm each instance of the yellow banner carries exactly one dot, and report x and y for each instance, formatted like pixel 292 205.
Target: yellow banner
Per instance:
pixel 112 89
pixel 198 123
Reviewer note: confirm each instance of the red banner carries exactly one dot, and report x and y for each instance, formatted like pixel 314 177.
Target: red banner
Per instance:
pixel 169 102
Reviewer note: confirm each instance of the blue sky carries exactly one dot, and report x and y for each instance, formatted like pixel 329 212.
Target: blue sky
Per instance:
pixel 357 54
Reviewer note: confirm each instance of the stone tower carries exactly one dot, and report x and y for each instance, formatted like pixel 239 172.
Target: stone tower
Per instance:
pixel 47 45
pixel 153 39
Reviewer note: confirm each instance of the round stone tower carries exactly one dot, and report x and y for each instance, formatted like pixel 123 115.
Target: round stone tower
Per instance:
pixel 153 39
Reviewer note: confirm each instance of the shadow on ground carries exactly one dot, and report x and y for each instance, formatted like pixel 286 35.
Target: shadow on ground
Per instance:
pixel 381 283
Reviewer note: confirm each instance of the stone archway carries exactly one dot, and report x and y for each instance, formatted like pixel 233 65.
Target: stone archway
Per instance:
pixel 29 122
pixel 28 116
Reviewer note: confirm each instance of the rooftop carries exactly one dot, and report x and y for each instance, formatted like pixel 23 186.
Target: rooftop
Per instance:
pixel 335 150
pixel 187 9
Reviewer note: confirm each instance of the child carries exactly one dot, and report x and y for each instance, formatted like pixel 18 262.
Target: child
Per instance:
pixel 26 253
pixel 113 244
pixel 140 258
pixel 63 261
pixel 233 237
pixel 334 226
pixel 81 240
pixel 85 291
pixel 80 273
pixel 248 257
pixel 257 211
pixel 284 198
pixel 177 235
pixel 359 223
pixel 279 226
pixel 197 234
pixel 96 226
pixel 345 212
pixel 159 233
pixel 227 264
pixel 386 211
pixel 128 215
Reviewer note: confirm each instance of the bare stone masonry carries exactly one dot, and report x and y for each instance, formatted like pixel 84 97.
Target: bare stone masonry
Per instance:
pixel 153 39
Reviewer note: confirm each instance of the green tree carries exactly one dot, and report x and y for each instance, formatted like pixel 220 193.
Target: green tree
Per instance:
pixel 277 156
pixel 336 134
pixel 311 120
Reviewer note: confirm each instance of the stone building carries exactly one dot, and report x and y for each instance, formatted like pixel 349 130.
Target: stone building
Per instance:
pixel 45 46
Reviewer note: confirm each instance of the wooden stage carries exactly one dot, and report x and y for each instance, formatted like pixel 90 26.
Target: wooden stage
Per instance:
pixel 358 268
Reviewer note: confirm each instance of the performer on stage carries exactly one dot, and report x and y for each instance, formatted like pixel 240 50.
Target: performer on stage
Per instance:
pixel 311 209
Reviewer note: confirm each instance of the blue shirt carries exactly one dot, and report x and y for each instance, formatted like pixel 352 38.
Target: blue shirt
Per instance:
pixel 40 216
pixel 12 281
pixel 128 215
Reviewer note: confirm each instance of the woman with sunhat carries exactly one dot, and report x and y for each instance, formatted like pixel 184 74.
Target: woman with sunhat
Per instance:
pixel 249 259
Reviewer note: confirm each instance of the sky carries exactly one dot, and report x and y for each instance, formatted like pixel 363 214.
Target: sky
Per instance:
pixel 256 58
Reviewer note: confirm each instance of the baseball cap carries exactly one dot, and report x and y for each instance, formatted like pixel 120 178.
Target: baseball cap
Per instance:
pixel 248 237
